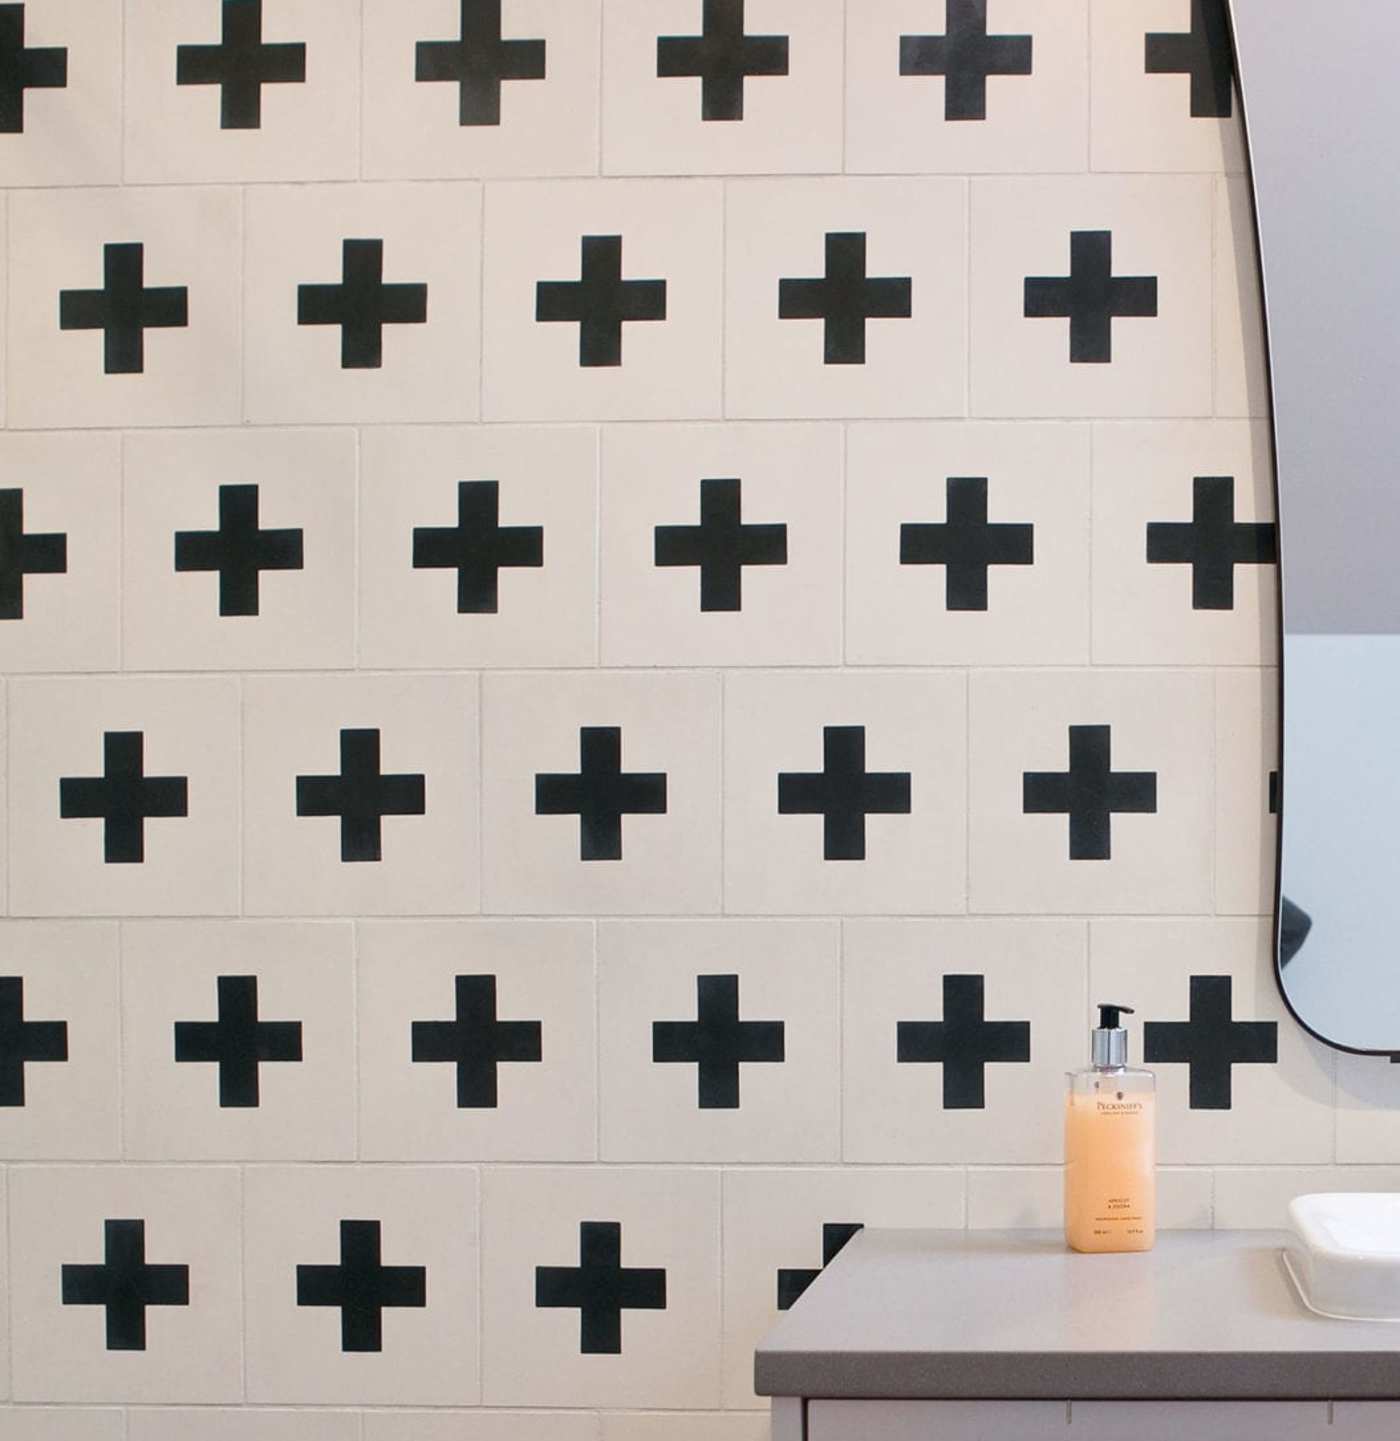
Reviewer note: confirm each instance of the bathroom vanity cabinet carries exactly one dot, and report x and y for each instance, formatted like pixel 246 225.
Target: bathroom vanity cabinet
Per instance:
pixel 970 1336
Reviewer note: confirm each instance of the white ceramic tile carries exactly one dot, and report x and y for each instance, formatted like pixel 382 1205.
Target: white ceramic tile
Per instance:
pixel 302 124
pixel 1159 725
pixel 665 1221
pixel 1169 118
pixel 315 863
pixel 60 1090
pixel 1249 1198
pixel 479 1425
pixel 667 366
pixel 898 121
pixel 1159 228
pixel 1246 1111
pixel 1239 1420
pixel 1012 1197
pixel 1246 763
pixel 541 119
pixel 783 1104
pixel 189 349
pixel 182 490
pixel 658 482
pixel 5 889
pixel 71 127
pixel 677 1426
pixel 171 1424
pixel 661 118
pixel 1001 1096
pixel 62 1423
pixel 299 1103
pixel 907 358
pixel 427 1336
pixel 663 725
pixel 1368 1109
pixel 1241 369
pixel 191 1219
pixel 62 494
pixel 776 1236
pixel 415 1102
pixel 907 854
pixel 420 483
pixel 422 362
pixel 188 730
pixel 1034 608
pixel 1199 596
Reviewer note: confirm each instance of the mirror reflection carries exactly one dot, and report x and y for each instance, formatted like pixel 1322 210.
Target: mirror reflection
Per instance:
pixel 1329 234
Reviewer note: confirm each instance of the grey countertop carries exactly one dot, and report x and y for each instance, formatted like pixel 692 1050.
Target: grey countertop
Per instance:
pixel 972 1314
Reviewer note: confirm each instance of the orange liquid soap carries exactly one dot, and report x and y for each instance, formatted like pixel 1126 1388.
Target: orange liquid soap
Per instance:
pixel 1110 1148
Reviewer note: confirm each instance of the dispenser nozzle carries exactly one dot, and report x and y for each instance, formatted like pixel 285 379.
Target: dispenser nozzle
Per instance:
pixel 1108 1042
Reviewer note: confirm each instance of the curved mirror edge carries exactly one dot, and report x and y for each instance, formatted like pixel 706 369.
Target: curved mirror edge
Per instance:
pixel 1334 374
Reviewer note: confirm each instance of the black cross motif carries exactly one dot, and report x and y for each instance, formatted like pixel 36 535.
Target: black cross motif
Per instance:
pixel 963 1042
pixel 966 544
pixel 965 56
pixel 600 1287
pixel 1203 54
pixel 241 65
pixel 361 795
pixel 24 68
pixel 238 550
pixel 124 308
pixel 362 304
pixel 793 1282
pixel 723 56
pixel 23 1041
pixel 600 300
pixel 1213 543
pixel 1089 793
pixel 721 545
pixel 843 793
pixel 238 1042
pixel 717 1042
pixel 601 793
pixel 22 555
pixel 123 797
pixel 845 298
pixel 477 547
pixel 361 1286
pixel 126 1284
pixel 479 62
pixel 1091 296
pixel 476 1042
pixel 1210 1043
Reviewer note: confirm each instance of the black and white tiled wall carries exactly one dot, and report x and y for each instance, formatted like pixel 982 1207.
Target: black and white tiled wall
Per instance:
pixel 614 613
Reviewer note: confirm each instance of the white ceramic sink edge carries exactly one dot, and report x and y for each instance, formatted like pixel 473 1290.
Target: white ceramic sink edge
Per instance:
pixel 1343 1253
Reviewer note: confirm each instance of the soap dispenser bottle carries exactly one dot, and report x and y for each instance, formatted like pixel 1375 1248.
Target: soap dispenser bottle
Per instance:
pixel 1110 1152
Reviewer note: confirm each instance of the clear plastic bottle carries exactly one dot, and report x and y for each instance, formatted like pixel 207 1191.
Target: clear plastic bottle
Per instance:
pixel 1110 1147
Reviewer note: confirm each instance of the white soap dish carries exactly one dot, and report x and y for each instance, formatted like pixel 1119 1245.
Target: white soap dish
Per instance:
pixel 1343 1252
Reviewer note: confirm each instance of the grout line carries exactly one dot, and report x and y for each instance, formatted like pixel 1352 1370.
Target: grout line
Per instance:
pixel 242 308
pixel 483 192
pixel 1217 193
pixel 360 108
pixel 243 1282
pixel 597 1049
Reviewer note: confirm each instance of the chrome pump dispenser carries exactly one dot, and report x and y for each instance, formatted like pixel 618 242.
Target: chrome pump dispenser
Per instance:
pixel 1108 1041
